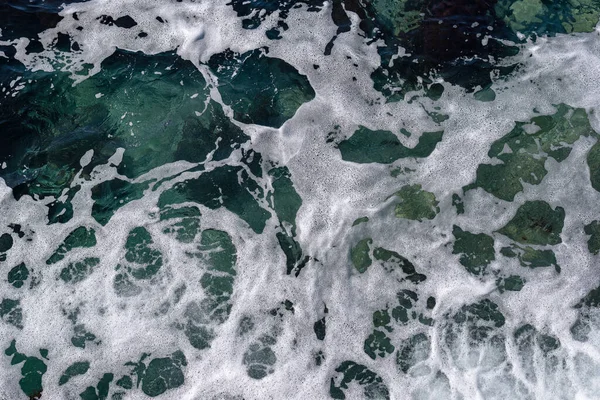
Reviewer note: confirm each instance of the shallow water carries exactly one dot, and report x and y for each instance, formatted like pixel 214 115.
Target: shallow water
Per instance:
pixel 299 200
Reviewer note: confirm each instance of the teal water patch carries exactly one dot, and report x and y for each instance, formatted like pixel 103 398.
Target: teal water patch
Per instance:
pixel 320 327
pixel 524 150
pixel 385 321
pixel 111 195
pixel 511 283
pixel 587 319
pixel 476 250
pixel 18 275
pixel 11 312
pixel 221 187
pixel 144 261
pixel 360 255
pixel 529 341
pixel 367 146
pixel 412 351
pixel 100 392
pixel 530 257
pixel 79 270
pixel 540 17
pixel 535 222
pixel 476 327
pixel 415 203
pixel 260 360
pixel 393 262
pixel 260 89
pixel 593 231
pixel 350 372
pixel 32 371
pixel 6 243
pixel 81 237
pixel 286 204
pixel 160 375
pixel 186 225
pixel 154 107
pixel 77 368
pixel 360 220
pixel 593 161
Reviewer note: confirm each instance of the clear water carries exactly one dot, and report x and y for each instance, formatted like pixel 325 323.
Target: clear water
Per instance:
pixel 299 200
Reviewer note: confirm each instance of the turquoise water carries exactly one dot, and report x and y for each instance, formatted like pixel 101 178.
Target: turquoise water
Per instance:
pixel 299 200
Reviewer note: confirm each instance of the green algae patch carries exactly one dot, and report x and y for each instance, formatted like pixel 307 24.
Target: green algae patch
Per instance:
pixel 261 90
pixel 415 203
pixel 359 255
pixel 111 195
pixel 32 371
pixel 476 250
pixel 367 146
pixel 18 275
pixel 226 186
pixel 535 222
pixel 349 372
pixel 593 231
pixel 11 312
pixel 413 351
pixel 78 271
pixel 524 150
pixel 77 368
pixel 530 257
pixel 81 237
